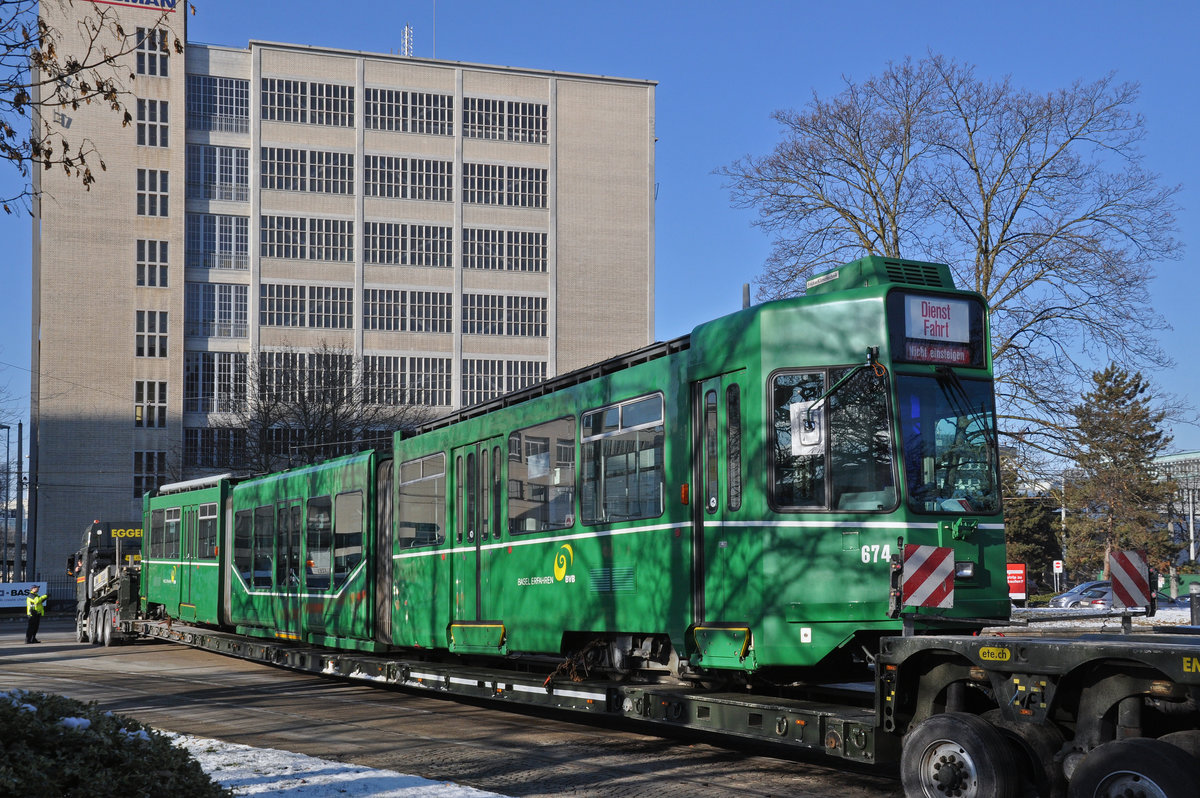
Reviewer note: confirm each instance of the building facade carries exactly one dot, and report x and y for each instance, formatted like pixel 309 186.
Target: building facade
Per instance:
pixel 458 230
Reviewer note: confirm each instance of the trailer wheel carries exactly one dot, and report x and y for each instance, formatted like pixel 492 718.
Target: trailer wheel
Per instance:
pixel 1035 745
pixel 106 619
pixel 1188 740
pixel 958 754
pixel 1137 766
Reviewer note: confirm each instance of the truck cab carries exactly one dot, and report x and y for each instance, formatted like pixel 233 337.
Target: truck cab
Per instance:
pixel 106 570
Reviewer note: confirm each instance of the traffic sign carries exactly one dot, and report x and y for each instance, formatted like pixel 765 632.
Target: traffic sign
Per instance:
pixel 1016 580
pixel 1058 569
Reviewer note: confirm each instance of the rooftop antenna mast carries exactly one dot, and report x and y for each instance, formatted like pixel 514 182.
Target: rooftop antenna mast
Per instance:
pixel 406 42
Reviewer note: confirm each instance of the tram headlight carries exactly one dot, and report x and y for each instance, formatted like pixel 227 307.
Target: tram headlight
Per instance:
pixel 964 570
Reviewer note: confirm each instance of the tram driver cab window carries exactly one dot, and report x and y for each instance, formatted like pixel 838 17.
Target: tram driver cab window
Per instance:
pixel 832 452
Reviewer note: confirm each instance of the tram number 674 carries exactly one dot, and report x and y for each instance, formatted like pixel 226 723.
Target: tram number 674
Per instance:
pixel 877 553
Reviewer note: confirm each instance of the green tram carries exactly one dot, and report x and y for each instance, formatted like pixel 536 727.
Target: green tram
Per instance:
pixel 729 501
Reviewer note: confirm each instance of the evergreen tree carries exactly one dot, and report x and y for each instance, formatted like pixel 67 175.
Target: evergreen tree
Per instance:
pixel 1032 525
pixel 1117 498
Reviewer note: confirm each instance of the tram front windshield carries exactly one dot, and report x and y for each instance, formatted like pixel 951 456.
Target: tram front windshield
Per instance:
pixel 948 428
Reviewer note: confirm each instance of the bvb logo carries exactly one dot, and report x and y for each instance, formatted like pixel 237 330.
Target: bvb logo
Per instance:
pixel 562 561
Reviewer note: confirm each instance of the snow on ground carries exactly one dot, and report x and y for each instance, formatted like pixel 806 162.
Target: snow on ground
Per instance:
pixel 1097 620
pixel 280 774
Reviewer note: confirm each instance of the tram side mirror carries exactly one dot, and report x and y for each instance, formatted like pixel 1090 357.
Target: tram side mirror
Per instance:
pixel 807 423
pixel 70 566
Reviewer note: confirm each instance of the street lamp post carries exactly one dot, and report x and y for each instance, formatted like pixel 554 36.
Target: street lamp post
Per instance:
pixel 4 575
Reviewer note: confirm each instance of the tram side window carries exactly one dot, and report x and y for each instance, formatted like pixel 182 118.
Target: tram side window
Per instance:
pixel 798 453
pixel 837 454
pixel 157 527
pixel 287 559
pixel 264 545
pixel 421 508
pixel 347 535
pixel 171 534
pixel 733 444
pixel 318 541
pixel 622 461
pixel 243 544
pixel 541 477
pixel 206 533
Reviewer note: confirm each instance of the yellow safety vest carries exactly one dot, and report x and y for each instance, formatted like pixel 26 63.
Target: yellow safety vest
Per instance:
pixel 35 604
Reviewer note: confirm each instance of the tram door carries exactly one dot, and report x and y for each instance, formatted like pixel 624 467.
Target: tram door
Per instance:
pixel 187 554
pixel 718 571
pixel 476 523
pixel 288 567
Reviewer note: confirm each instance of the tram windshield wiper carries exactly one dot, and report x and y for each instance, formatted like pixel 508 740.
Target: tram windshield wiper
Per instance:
pixel 872 363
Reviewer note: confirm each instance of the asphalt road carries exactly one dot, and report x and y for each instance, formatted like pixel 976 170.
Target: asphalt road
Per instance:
pixel 197 692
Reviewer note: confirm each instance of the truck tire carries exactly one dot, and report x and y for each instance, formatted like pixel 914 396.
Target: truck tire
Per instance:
pixel 94 627
pixel 1035 746
pixel 81 631
pixel 106 619
pixel 1136 766
pixel 958 754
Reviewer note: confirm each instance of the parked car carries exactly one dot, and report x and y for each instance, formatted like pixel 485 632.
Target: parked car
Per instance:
pixel 1165 602
pixel 1072 597
pixel 1100 598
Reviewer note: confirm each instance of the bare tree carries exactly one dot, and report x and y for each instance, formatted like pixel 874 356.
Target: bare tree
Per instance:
pixel 301 406
pixel 45 72
pixel 1039 202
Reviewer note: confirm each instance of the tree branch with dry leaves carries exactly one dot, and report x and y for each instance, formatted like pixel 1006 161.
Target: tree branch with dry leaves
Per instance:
pixel 41 78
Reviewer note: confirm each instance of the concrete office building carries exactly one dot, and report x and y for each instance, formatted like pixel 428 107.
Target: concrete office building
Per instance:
pixel 462 229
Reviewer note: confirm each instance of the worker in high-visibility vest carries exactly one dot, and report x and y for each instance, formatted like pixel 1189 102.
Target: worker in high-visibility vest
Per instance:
pixel 35 608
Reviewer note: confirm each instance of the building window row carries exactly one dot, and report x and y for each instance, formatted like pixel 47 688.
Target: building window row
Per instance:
pixel 214 382
pixel 495 314
pixel 216 310
pixel 307 102
pixel 218 173
pixel 396 380
pixel 505 120
pixel 320 171
pixel 149 404
pixel 307 238
pixel 399 244
pixel 223 104
pixel 514 186
pixel 398 310
pixel 150 333
pixel 217 241
pixel 291 376
pixel 212 447
pixel 222 241
pixel 409 111
pixel 504 250
pixel 151 263
pixel 220 104
pixel 152 125
pixel 484 379
pixel 317 306
pixel 222 173
pixel 396 177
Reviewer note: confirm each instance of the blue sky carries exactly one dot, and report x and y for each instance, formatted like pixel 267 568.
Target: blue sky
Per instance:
pixel 721 69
